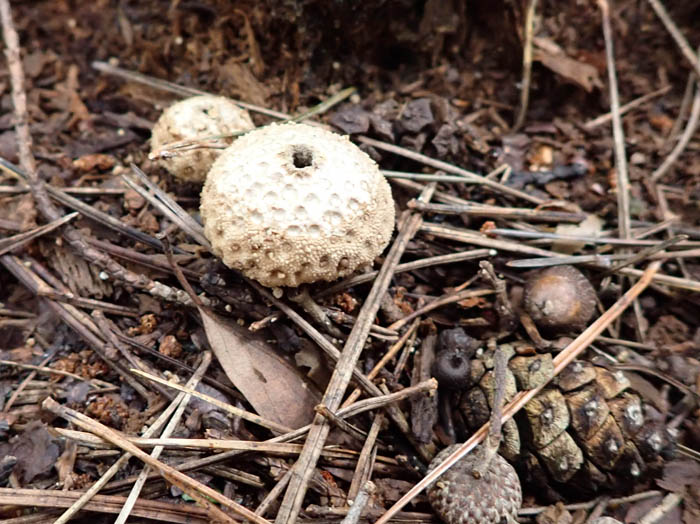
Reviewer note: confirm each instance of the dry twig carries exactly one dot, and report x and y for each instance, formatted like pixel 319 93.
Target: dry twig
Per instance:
pixel 195 489
pixel 623 185
pixel 121 462
pixel 690 128
pixel 527 65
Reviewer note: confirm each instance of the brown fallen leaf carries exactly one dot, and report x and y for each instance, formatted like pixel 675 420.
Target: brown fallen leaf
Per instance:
pixel 554 58
pixel 239 81
pixel 556 514
pixel 36 451
pixel 272 385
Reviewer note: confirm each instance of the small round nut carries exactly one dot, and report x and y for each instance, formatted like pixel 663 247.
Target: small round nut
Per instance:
pixel 457 497
pixel 197 117
pixel 559 299
pixel 288 204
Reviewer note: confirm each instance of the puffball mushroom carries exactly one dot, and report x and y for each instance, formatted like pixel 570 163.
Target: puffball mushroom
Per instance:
pixel 289 204
pixel 197 117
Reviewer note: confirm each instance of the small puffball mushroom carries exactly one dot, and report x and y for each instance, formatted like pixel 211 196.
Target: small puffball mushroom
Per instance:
pixel 457 497
pixel 289 204
pixel 559 299
pixel 606 520
pixel 197 117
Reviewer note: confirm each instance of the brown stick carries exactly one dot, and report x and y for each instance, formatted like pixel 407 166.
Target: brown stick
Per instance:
pixel 150 509
pixel 527 65
pixel 623 199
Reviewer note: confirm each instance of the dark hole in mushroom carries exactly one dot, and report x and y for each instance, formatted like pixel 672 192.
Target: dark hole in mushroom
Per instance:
pixel 302 156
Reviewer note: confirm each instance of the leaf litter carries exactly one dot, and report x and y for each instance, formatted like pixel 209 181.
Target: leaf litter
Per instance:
pixel 441 81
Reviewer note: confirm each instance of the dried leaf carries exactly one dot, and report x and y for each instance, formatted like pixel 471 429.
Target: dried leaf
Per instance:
pixel 36 451
pixel 590 227
pixel 273 386
pixel 241 82
pixel 309 356
pixel 555 59
pixel 680 475
pixel 556 514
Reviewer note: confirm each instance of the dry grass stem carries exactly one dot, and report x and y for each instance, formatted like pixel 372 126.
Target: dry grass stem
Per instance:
pixel 172 87
pixel 237 412
pixel 680 40
pixel 623 184
pixel 180 403
pixel 196 490
pixel 469 177
pixel 148 509
pixel 690 128
pixel 450 258
pixel 122 461
pixel 449 298
pixel 512 213
pixel 607 117
pixel 527 65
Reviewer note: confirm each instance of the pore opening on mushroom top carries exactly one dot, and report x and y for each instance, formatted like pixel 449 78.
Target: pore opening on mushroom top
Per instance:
pixel 302 156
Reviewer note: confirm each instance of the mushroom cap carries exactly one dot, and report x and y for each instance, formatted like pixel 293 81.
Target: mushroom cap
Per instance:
pixel 198 116
pixel 288 204
pixel 559 298
pixel 459 498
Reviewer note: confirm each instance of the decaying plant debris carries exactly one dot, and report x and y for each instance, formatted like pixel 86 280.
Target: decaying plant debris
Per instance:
pixel 141 378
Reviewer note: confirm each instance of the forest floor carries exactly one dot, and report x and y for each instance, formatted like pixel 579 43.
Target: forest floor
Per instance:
pixel 515 136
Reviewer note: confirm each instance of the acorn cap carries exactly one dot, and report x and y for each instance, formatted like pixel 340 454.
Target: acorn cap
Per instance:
pixel 288 204
pixel 459 498
pixel 559 299
pixel 197 117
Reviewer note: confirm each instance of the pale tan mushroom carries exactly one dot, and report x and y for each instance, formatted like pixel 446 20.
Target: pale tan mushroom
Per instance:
pixel 197 117
pixel 289 204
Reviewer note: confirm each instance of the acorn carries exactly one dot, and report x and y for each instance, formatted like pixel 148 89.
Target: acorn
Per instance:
pixel 458 497
pixel 559 299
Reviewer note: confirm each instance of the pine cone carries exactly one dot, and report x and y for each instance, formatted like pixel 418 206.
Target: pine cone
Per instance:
pixel 586 430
